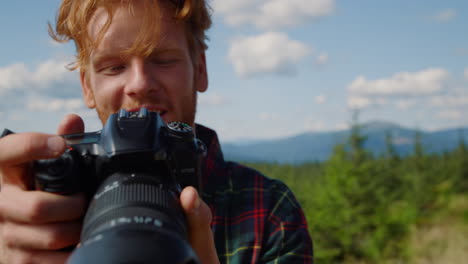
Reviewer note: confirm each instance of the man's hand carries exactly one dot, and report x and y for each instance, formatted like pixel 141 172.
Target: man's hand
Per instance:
pixel 199 219
pixel 35 224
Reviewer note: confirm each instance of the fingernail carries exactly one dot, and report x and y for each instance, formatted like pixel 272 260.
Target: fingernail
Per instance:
pixel 55 145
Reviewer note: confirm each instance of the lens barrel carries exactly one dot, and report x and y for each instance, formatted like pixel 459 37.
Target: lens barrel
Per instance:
pixel 134 218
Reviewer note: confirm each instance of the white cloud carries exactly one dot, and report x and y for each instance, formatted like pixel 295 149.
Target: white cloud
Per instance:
pixel 405 104
pixel 54 44
pixel 445 15
pixel 46 89
pixel 320 99
pixel 312 124
pixel 55 104
pixel 318 126
pixel 341 126
pixel 322 58
pixel 13 76
pixel 465 74
pixel 49 75
pixel 358 102
pixel 416 91
pixel 450 114
pixel 272 14
pixel 454 100
pixel 49 72
pixel 271 52
pixel 17 116
pixel 424 82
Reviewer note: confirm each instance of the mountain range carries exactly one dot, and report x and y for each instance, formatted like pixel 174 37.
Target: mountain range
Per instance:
pixel 318 146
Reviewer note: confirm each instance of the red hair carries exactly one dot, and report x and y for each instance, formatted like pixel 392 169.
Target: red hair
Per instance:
pixel 74 16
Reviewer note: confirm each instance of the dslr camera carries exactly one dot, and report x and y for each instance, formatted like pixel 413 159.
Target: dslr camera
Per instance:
pixel 133 171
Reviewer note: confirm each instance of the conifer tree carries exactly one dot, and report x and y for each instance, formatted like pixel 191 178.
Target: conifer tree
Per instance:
pixel 356 141
pixel 461 156
pixel 390 152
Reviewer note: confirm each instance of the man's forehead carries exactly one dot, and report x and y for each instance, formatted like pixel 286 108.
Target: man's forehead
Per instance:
pixel 97 21
pixel 112 32
pixel 130 34
pixel 102 16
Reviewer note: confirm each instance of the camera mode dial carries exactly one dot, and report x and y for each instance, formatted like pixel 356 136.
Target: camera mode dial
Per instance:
pixel 180 127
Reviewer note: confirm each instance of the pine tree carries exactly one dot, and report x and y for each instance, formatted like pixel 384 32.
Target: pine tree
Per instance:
pixel 390 152
pixel 461 156
pixel 356 141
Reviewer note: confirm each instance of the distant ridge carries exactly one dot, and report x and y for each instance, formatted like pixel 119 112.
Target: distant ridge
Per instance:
pixel 318 146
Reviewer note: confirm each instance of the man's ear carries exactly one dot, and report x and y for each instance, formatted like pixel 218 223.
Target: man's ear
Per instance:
pixel 201 73
pixel 88 94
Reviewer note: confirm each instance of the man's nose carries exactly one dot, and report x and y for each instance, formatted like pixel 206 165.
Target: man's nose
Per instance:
pixel 141 81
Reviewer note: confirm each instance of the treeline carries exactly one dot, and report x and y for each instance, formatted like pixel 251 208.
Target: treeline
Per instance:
pixel 362 208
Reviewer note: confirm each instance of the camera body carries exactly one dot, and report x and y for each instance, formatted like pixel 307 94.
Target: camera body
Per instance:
pixel 130 141
pixel 133 171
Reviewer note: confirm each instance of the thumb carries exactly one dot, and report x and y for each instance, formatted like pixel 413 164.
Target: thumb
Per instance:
pixel 71 124
pixel 199 220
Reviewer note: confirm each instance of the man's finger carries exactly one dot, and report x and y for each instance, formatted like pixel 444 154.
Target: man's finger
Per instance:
pixel 19 255
pixel 16 149
pixel 40 207
pixel 19 176
pixel 199 219
pixel 48 236
pixel 71 124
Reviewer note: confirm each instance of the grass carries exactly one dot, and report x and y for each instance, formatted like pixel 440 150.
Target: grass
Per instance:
pixel 443 239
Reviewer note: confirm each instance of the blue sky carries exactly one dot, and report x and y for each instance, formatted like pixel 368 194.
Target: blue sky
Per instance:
pixel 276 67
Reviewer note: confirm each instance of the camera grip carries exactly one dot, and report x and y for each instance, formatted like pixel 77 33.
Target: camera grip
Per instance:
pixel 60 175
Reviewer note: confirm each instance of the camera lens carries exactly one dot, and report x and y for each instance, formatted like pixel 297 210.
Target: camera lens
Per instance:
pixel 134 218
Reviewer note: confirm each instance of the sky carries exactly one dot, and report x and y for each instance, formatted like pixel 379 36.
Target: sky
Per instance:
pixel 277 68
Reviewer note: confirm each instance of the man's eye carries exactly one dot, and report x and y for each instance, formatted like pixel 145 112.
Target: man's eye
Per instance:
pixel 113 69
pixel 163 61
pixel 117 68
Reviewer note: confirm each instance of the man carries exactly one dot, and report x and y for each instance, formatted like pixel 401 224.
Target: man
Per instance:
pixel 133 54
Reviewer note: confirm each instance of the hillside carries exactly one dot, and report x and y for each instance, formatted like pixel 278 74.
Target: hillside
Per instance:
pixel 317 146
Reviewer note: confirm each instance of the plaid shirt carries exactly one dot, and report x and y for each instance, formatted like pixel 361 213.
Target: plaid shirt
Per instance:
pixel 255 219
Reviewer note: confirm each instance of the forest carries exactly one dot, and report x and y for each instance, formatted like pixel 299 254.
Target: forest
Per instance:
pixel 363 208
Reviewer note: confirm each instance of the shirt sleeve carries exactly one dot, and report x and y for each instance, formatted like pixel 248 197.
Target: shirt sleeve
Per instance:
pixel 287 237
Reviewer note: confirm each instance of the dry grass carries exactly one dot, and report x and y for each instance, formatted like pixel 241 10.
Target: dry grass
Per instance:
pixel 445 238
pixel 440 240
